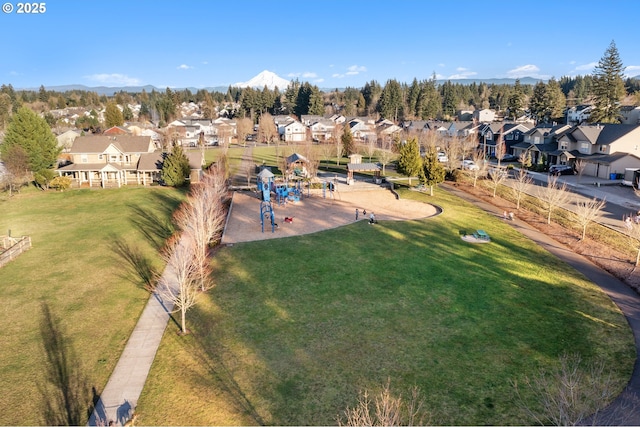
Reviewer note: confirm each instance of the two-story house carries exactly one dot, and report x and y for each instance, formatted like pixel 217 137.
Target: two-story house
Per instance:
pixel 540 142
pixel 322 130
pixel 108 161
pixel 604 149
pixel 293 132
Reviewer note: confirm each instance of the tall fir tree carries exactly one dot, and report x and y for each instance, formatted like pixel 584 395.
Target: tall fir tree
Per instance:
pixel 409 160
pixel 175 168
pixel 608 87
pixel 348 146
pixel 112 115
pixel 32 133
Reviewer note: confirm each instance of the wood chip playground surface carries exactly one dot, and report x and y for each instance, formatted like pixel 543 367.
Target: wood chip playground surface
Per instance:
pixel 316 213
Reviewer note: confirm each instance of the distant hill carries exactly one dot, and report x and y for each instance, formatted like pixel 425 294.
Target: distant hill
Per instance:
pixel 265 78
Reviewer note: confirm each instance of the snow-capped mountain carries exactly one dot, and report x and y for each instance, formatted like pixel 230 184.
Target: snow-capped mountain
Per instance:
pixel 265 78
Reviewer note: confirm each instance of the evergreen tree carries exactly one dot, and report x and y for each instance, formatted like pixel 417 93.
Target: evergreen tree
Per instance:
pixel 316 104
pixel 449 101
pixel 113 115
pixel 390 103
pixel 433 170
pixel 32 133
pixel 608 87
pixel 175 168
pixel 515 104
pixel 409 160
pixel 348 146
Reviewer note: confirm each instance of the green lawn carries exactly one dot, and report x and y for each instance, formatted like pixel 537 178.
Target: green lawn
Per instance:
pixel 73 270
pixel 297 326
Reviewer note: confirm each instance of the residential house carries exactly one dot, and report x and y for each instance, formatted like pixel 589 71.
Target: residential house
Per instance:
pixel 115 130
pixel 491 134
pixel 540 141
pixel 361 129
pixel 108 161
pixel 322 130
pixel 578 114
pixel 309 119
pixel 604 149
pixel 65 140
pixel 484 116
pixel 630 115
pixel 293 132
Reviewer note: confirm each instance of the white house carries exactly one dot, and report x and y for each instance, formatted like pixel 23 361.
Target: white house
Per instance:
pixel 293 132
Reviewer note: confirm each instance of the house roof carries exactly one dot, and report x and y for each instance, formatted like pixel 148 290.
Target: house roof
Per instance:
pixel 124 143
pixel 602 134
pixel 153 161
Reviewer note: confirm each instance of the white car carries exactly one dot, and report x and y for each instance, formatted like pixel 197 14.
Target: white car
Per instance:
pixel 469 165
pixel 442 157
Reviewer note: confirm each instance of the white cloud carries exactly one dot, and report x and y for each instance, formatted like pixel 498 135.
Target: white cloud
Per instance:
pixel 586 67
pixel 184 67
pixel 318 80
pixel 353 70
pixel 463 73
pixel 632 71
pixel 113 79
pixel 305 75
pixel 528 70
pixel 441 65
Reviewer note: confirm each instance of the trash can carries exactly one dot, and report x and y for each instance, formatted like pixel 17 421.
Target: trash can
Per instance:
pixel 612 176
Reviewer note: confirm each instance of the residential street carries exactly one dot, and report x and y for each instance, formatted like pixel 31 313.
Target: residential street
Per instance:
pixel 620 200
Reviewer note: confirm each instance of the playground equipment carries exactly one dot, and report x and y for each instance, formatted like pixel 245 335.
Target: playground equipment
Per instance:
pixel 328 186
pixel 265 185
pixel 285 193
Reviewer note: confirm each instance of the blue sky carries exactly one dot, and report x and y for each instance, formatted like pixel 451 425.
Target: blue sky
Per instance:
pixel 191 43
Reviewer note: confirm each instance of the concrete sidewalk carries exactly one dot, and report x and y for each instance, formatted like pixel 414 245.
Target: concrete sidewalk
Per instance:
pixel 625 410
pixel 120 396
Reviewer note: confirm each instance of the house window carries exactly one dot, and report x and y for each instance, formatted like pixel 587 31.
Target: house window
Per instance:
pixel 113 158
pixel 564 145
pixel 585 147
pixel 100 156
pixel 603 148
pixel 536 139
pixel 84 158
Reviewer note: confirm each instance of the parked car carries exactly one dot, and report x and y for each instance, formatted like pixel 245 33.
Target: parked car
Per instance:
pixel 469 165
pixel 442 157
pixel 561 170
pixel 509 158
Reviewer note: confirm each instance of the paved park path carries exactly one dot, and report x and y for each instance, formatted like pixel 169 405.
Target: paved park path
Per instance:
pixel 625 410
pixel 120 396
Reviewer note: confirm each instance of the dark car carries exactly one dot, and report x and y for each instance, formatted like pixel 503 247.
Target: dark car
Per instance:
pixel 509 158
pixel 561 170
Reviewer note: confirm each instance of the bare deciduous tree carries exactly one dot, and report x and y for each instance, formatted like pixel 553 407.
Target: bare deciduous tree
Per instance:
pixel 571 394
pixel 579 165
pixel 481 170
pixel 553 195
pixel 386 410
pixel 326 149
pixel 520 186
pixel 498 175
pixel 180 280
pixel 244 127
pixel 633 231
pixel 267 131
pixel 588 211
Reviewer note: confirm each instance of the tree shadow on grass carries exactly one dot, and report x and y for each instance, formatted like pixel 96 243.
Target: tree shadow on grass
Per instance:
pixel 223 377
pixel 66 396
pixel 155 225
pixel 139 269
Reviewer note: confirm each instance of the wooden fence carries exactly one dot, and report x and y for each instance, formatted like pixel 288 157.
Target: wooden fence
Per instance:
pixel 12 247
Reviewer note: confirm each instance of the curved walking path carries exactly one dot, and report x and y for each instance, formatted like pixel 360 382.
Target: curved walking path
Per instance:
pixel 625 409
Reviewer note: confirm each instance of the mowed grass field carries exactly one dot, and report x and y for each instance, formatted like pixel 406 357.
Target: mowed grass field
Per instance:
pixel 92 294
pixel 296 327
